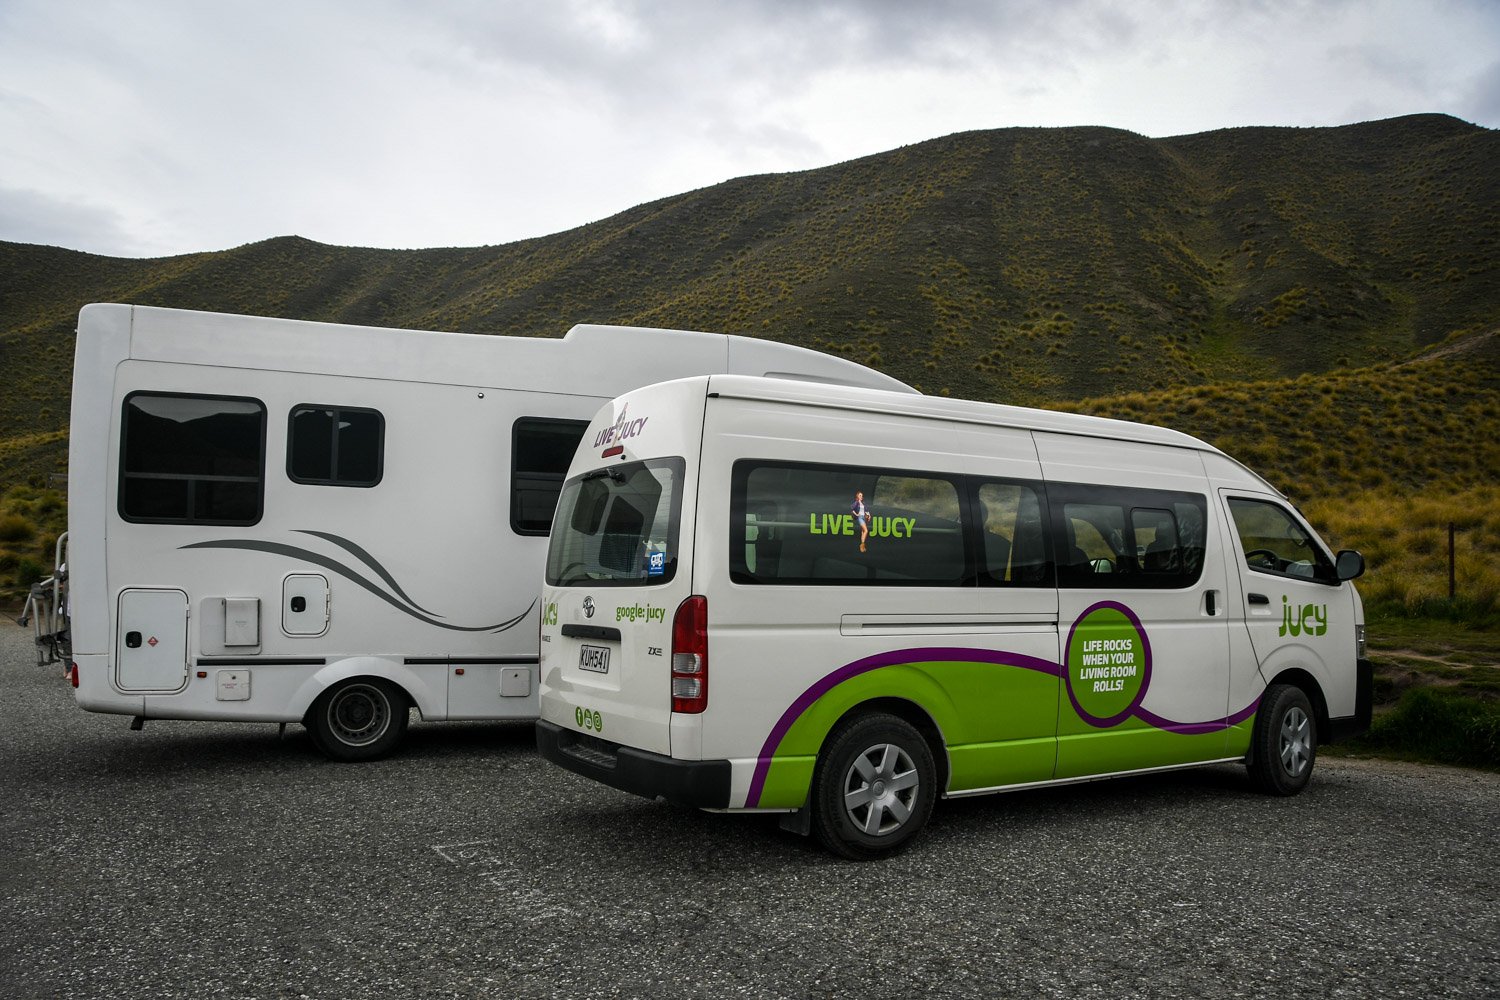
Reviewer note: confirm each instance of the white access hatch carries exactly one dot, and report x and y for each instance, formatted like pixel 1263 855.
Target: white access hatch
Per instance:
pixel 151 642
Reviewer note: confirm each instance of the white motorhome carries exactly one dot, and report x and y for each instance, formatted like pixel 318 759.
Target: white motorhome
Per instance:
pixel 843 603
pixel 301 522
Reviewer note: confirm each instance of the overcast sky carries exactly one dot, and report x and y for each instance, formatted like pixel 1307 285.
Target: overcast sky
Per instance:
pixel 145 128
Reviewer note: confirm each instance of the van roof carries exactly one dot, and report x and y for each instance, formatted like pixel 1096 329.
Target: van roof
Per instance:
pixel 953 410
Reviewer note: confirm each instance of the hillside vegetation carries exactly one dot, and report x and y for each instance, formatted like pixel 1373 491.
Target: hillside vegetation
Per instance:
pixel 1321 303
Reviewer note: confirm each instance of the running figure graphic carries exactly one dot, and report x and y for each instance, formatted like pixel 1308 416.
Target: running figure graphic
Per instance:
pixel 861 517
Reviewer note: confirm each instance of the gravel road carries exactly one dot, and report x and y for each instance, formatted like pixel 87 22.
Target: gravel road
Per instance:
pixel 217 860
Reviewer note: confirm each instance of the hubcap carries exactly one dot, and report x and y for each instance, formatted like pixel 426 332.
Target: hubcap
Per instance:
pixel 358 715
pixel 880 789
pixel 1296 742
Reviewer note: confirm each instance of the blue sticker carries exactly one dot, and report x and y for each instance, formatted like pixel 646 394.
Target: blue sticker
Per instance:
pixel 656 563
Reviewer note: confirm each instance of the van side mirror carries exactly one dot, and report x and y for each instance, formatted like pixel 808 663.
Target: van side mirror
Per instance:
pixel 1348 564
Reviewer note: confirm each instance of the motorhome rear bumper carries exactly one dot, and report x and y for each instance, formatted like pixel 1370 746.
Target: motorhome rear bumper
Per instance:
pixel 1351 726
pixel 701 783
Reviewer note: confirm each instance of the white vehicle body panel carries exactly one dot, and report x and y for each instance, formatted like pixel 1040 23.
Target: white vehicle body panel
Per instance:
pixel 420 579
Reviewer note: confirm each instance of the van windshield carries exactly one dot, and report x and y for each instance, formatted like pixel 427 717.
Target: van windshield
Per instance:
pixel 617 526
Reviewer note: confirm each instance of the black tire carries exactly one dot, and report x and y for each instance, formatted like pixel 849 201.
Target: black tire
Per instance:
pixel 1284 746
pixel 359 719
pixel 873 787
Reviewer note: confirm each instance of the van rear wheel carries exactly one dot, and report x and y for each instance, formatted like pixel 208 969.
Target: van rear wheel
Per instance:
pixel 359 719
pixel 873 787
pixel 1285 743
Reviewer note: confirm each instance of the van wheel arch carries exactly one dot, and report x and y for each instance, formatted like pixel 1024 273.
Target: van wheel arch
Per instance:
pixel 359 718
pixel 909 712
pixel 1299 678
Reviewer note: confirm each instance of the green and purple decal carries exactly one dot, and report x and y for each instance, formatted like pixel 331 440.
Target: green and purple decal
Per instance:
pixel 1002 717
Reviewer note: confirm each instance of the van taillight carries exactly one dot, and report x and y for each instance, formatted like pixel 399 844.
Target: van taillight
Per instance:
pixel 690 656
pixel 73 674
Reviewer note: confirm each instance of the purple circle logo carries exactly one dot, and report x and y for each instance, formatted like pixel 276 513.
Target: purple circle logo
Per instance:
pixel 1108 664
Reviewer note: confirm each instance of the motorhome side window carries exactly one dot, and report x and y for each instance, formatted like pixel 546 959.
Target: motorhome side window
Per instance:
pixel 1121 538
pixel 192 459
pixel 540 451
pixel 335 446
pixel 1273 542
pixel 819 524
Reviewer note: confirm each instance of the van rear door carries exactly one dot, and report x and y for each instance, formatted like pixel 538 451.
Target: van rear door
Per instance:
pixel 616 574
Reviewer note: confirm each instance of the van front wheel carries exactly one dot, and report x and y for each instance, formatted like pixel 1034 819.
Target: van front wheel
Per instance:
pixel 1285 744
pixel 360 719
pixel 873 787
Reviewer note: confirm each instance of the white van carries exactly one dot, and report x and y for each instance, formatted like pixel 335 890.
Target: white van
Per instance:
pixel 284 521
pixel 843 603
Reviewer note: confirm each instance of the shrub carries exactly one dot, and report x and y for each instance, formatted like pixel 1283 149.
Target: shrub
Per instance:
pixel 1441 726
pixel 15 528
pixel 29 571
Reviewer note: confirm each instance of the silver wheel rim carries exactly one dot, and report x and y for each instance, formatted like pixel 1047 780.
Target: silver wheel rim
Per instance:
pixel 359 714
pixel 1296 741
pixel 880 789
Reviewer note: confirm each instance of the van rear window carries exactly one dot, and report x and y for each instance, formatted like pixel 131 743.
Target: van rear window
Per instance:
pixel 618 526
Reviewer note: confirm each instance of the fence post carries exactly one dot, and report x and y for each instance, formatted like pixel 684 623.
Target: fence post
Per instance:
pixel 1450 563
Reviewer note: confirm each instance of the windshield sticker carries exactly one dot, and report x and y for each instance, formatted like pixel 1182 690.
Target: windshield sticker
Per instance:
pixel 861 522
pixel 656 563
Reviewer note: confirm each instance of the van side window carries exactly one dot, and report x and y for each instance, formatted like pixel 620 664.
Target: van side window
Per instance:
pixel 540 450
pixel 1273 542
pixel 192 459
pixel 1013 537
pixel 335 445
pixel 846 525
pixel 1126 538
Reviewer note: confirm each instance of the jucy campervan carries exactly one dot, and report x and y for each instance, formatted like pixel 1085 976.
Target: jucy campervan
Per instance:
pixel 283 521
pixel 842 604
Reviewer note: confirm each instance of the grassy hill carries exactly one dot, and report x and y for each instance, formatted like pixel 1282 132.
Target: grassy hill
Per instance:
pixel 1320 302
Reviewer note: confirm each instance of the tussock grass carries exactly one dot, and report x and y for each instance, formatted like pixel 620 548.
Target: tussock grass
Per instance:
pixel 1404 540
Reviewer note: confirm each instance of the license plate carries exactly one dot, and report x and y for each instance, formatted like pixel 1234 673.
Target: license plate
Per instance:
pixel 594 658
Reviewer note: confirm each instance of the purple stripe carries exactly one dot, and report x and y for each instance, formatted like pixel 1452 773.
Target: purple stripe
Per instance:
pixel 958 654
pixel 892 658
pixel 1197 728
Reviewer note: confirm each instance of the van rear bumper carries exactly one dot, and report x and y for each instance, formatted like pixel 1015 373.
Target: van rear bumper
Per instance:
pixel 700 783
pixel 1351 726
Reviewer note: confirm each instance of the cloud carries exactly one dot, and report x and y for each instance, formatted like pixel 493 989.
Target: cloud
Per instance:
pixel 195 126
pixel 33 217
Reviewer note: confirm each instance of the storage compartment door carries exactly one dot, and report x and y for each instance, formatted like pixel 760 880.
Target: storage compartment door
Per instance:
pixel 304 604
pixel 151 640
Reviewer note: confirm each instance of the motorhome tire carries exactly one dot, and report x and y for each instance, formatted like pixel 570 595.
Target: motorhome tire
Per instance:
pixel 874 786
pixel 1284 746
pixel 359 719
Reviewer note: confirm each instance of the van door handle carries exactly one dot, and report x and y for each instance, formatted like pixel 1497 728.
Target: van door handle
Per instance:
pixel 607 632
pixel 1259 599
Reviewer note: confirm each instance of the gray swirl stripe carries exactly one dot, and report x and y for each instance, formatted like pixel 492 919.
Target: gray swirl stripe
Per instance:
pixel 317 559
pixel 370 561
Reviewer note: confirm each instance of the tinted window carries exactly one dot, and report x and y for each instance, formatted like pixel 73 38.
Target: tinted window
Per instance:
pixel 1123 538
pixel 192 459
pixel 618 526
pixel 541 450
pixel 1274 542
pixel 1013 536
pixel 838 524
pixel 335 446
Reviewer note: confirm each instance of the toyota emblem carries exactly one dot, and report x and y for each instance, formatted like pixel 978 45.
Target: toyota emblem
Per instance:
pixel 588 607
